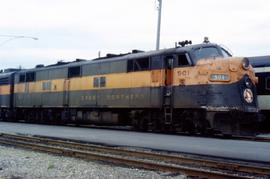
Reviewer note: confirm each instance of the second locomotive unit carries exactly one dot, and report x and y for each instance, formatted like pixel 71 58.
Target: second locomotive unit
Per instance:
pixel 261 65
pixel 195 88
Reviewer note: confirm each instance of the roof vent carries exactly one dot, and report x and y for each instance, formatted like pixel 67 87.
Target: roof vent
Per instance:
pixel 109 55
pixel 137 51
pixel 8 70
pixel 39 66
pixel 80 60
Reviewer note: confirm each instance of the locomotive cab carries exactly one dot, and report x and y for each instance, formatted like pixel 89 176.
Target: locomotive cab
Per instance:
pixel 208 77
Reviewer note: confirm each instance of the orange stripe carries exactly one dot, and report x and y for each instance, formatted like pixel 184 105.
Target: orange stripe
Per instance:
pixel 193 75
pixel 5 90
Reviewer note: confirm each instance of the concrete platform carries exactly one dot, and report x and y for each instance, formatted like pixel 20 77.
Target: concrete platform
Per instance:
pixel 243 150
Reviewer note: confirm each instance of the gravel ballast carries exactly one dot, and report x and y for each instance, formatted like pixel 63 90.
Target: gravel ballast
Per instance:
pixel 23 164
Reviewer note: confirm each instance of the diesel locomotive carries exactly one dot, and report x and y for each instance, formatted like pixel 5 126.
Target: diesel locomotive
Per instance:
pixel 193 88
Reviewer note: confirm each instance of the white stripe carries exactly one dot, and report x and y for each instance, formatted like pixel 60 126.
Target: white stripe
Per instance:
pixel 264 102
pixel 261 69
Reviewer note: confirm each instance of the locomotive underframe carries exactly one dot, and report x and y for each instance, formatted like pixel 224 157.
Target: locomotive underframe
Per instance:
pixel 183 120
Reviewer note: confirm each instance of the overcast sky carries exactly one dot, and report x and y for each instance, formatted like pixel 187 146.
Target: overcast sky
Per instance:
pixel 70 29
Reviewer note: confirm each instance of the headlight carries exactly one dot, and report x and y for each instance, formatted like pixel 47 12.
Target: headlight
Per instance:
pixel 245 64
pixel 219 77
pixel 248 95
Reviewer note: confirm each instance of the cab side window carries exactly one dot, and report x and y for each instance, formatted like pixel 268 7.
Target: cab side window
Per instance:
pixel 183 60
pixel 140 64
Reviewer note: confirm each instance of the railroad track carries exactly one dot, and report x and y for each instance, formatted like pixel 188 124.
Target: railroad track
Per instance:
pixel 190 166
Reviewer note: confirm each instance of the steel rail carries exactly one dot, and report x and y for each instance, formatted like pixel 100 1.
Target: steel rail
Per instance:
pixel 175 159
pixel 255 139
pixel 75 150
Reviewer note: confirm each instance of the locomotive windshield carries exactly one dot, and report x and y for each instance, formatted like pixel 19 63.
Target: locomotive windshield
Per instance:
pixel 210 52
pixel 225 53
pixel 206 52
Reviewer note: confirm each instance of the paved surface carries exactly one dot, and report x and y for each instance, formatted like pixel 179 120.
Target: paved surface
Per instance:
pixel 245 150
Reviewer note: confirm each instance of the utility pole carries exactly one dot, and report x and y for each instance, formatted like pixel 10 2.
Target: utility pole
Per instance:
pixel 159 23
